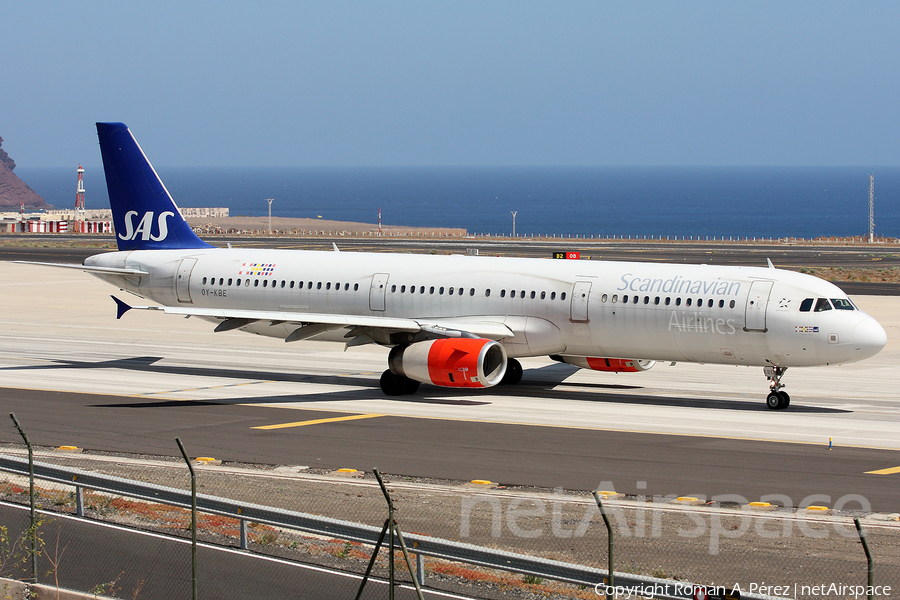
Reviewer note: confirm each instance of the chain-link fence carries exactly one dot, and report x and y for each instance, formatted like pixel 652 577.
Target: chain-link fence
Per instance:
pixel 775 550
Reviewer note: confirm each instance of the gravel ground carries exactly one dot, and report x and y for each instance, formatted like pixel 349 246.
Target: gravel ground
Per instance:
pixel 712 544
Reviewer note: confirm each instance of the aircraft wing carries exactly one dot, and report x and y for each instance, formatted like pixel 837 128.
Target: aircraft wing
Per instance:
pixel 310 324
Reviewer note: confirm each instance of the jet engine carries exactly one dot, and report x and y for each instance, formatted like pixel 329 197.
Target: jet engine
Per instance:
pixel 451 362
pixel 615 365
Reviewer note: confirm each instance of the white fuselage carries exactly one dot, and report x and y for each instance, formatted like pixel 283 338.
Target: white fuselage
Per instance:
pixel 695 313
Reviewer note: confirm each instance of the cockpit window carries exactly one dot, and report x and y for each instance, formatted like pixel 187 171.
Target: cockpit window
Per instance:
pixel 822 304
pixel 842 303
pixel 806 305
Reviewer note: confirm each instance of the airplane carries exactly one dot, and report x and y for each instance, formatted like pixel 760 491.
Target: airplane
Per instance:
pixel 462 321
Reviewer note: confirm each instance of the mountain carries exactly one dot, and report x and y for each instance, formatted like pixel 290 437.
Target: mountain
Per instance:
pixel 14 191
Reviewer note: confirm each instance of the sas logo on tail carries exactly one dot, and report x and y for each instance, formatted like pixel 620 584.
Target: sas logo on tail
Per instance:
pixel 145 226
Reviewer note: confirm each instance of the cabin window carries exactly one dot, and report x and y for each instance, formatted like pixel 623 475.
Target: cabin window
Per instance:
pixel 431 290
pixel 328 285
pixel 615 297
pixel 512 293
pixel 532 294
pixel 678 301
pixel 646 299
pixel 731 304
pixel 422 289
pixel 230 280
pixel 668 300
pixel 402 289
pixel 337 286
pixel 460 292
pixel 450 291
pixel 710 303
pixel 562 296
pixel 625 299
pixel 553 296
pixel 246 283
pixel 602 298
pixel 487 292
pixel 393 288
pixel 204 281
pixel 503 293
pixel 256 283
pixel 822 304
pixel 292 284
pixel 688 302
pixel 412 289
pixel 318 285
pixel 806 305
pixel 842 303
pixel 355 287
pixel 441 291
pixel 656 300
pixel 544 296
pixel 283 282
pixel 721 304
pixel 471 291
pixel 522 294
pixel 309 285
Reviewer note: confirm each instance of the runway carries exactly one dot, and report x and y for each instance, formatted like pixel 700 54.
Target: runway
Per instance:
pixel 76 376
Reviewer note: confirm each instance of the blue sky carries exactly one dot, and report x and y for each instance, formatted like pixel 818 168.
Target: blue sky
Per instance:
pixel 454 83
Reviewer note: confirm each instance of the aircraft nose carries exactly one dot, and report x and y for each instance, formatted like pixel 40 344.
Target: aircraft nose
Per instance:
pixel 869 338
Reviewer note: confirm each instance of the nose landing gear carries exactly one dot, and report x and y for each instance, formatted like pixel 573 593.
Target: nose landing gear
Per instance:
pixel 777 399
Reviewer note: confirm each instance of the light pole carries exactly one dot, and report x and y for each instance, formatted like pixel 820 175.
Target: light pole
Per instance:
pixel 513 213
pixel 269 200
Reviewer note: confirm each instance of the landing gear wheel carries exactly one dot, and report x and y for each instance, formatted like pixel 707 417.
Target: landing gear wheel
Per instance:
pixel 391 384
pixel 397 385
pixel 513 373
pixel 785 399
pixel 410 386
pixel 778 400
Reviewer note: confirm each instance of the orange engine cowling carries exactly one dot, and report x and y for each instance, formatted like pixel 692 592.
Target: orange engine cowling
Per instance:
pixel 451 362
pixel 615 365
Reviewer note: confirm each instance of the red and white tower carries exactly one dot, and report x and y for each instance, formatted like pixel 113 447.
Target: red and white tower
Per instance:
pixel 79 192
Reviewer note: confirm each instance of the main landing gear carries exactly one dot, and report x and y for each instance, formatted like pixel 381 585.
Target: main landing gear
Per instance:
pixel 397 385
pixel 513 373
pixel 777 398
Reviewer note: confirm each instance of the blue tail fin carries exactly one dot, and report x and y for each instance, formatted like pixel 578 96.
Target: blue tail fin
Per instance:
pixel 144 214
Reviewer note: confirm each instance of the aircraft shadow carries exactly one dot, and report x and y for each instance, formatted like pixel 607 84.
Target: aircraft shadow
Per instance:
pixel 537 383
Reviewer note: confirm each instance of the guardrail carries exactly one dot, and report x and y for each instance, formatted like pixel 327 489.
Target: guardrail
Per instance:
pixel 628 584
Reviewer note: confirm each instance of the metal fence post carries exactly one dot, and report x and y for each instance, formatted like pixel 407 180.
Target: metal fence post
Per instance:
pixel 420 567
pixel 79 500
pixel 243 534
pixel 395 529
pixel 32 530
pixel 193 520
pixel 865 545
pixel 609 535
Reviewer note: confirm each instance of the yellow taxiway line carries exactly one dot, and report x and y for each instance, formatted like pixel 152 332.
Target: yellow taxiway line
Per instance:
pixel 890 471
pixel 317 421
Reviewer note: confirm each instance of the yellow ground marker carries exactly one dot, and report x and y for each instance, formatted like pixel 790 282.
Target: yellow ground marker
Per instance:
pixel 890 471
pixel 317 421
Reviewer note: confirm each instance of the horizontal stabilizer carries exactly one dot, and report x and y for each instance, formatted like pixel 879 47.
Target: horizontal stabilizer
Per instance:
pixel 87 269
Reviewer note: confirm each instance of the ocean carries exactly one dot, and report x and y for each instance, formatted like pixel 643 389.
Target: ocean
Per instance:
pixel 804 202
